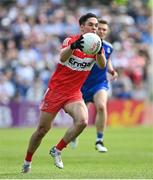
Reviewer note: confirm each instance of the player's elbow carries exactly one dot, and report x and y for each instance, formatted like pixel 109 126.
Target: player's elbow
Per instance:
pixel 65 54
pixel 62 59
pixel 101 64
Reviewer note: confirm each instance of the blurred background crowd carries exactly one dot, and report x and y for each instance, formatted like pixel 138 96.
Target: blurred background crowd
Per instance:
pixel 31 33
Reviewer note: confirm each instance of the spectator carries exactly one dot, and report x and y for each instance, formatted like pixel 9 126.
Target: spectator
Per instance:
pixel 31 32
pixel 7 89
pixel 122 87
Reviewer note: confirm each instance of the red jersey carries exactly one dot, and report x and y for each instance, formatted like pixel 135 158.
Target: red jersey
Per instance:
pixel 71 74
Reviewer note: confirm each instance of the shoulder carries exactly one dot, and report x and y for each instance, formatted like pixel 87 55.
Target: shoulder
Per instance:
pixel 107 46
pixel 70 39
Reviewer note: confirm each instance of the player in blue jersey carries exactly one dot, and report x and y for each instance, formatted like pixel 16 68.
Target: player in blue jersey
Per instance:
pixel 96 86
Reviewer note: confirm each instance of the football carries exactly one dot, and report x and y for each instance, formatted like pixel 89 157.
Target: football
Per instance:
pixel 92 43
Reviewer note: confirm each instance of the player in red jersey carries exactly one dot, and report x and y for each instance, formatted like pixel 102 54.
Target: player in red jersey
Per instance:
pixel 64 92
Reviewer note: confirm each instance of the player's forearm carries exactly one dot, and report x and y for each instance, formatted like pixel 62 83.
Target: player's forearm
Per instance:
pixel 65 54
pixel 101 60
pixel 110 67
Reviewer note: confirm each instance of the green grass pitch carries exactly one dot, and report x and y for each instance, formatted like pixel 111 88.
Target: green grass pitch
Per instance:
pixel 129 156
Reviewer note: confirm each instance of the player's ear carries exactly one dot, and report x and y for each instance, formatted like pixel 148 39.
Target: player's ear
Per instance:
pixel 82 28
pixel 108 31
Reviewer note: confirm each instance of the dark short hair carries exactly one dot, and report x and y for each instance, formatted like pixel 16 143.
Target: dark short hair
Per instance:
pixel 85 17
pixel 101 21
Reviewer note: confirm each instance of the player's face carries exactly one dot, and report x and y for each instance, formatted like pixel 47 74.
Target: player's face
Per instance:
pixel 102 30
pixel 91 25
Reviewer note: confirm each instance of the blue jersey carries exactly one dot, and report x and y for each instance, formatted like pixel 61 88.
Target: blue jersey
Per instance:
pixel 97 78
